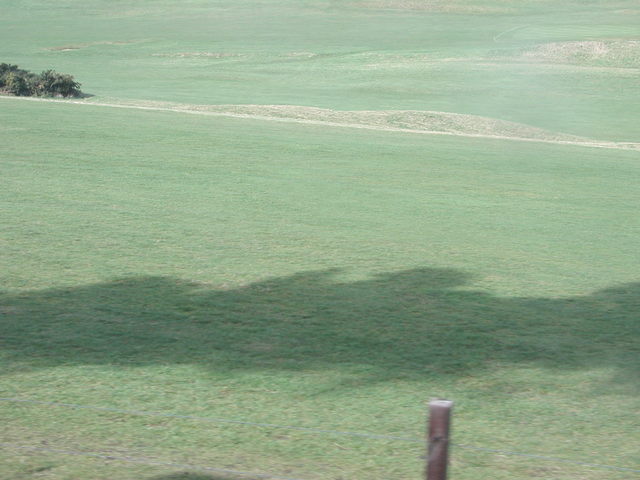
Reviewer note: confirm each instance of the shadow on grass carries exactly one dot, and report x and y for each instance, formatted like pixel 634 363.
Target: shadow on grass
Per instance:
pixel 194 476
pixel 410 324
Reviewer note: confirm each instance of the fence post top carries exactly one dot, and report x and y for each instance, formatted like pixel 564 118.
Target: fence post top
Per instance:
pixel 441 403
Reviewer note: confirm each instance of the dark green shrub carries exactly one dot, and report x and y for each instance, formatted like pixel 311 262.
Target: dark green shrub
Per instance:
pixel 53 83
pixel 17 84
pixel 15 81
pixel 5 70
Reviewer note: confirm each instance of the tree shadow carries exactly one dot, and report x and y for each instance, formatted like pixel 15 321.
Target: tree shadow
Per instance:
pixel 410 324
pixel 194 476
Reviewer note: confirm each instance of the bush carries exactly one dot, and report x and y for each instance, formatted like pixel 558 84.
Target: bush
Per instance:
pixel 7 70
pixel 16 84
pixel 51 82
pixel 16 81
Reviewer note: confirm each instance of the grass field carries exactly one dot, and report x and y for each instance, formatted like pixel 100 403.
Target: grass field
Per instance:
pixel 302 252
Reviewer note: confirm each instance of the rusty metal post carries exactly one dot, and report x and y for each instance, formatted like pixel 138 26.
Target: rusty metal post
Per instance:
pixel 438 452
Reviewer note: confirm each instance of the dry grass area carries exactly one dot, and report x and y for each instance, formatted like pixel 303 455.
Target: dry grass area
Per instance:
pixel 301 54
pixel 409 121
pixel 197 55
pixel 442 6
pixel 78 46
pixel 417 120
pixel 614 53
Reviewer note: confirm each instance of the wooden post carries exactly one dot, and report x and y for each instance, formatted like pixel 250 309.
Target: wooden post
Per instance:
pixel 438 452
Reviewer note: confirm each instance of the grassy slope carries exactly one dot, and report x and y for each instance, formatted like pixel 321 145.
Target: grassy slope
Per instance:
pixel 366 58
pixel 184 264
pixel 314 276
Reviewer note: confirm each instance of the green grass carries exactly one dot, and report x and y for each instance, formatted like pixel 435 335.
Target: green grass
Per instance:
pixel 365 58
pixel 316 276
